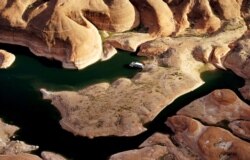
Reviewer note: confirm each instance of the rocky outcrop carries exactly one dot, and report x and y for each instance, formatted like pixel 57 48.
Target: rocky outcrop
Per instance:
pixel 112 15
pixel 68 32
pixel 245 90
pixel 197 15
pixel 221 108
pixel 156 16
pixel 207 142
pixel 114 109
pixel 51 156
pixel 218 106
pixel 158 146
pixel 128 41
pixel 23 156
pixel 191 140
pixel 14 149
pixel 8 146
pixel 58 29
pixel 172 72
pixel 238 61
pixel 6 59
pixel 241 128
pixel 238 58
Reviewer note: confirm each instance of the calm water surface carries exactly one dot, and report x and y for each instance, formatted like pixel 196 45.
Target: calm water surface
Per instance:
pixel 22 104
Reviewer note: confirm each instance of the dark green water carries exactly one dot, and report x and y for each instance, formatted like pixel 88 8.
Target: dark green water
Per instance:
pixel 22 104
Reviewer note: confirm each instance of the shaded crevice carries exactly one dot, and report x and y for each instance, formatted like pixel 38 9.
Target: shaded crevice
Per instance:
pixel 215 6
pixel 32 7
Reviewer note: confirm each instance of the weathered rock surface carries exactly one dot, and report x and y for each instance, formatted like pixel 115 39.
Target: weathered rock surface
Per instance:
pixel 239 62
pixel 128 41
pixel 22 156
pixel 191 140
pixel 197 15
pixel 207 142
pixel 51 156
pixel 156 16
pixel 158 146
pixel 221 107
pixel 8 146
pixel 218 106
pixel 238 58
pixel 11 149
pixel 58 29
pixel 6 59
pixel 241 128
pixel 111 15
pixel 68 30
pixel 245 90
pixel 115 109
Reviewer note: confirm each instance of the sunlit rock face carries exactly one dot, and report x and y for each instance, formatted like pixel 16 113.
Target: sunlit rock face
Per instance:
pixel 6 59
pixel 69 31
pixel 62 29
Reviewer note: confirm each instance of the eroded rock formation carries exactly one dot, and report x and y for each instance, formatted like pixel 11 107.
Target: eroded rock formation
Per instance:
pixel 218 106
pixel 207 142
pixel 238 61
pixel 158 146
pixel 241 128
pixel 192 140
pixel 23 156
pixel 61 30
pixel 68 30
pixel 6 59
pixel 8 146
pixel 14 149
pixel 51 156
pixel 115 109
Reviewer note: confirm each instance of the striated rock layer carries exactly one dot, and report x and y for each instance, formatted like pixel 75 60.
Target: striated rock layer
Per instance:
pixel 61 30
pixel 68 30
pixel 115 109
